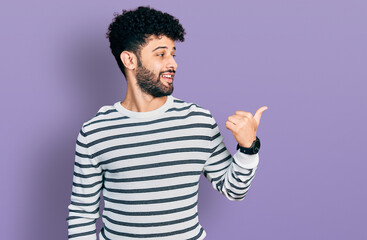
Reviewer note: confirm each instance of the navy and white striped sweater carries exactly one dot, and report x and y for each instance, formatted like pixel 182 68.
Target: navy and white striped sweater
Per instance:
pixel 148 165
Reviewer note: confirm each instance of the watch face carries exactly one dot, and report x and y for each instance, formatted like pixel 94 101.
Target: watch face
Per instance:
pixel 257 146
pixel 256 149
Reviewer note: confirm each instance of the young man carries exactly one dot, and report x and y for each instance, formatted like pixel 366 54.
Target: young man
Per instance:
pixel 147 152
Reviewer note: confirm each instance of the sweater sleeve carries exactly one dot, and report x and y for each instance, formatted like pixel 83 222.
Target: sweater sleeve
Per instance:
pixel 230 175
pixel 85 197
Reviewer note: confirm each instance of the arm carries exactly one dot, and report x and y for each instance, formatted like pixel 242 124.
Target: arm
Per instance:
pixel 85 197
pixel 231 176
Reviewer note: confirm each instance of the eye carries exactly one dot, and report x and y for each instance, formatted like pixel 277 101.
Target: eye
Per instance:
pixel 161 55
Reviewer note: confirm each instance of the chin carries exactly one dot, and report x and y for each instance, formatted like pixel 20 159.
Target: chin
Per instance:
pixel 162 93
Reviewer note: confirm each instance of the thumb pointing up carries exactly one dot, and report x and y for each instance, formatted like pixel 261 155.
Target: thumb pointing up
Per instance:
pixel 258 114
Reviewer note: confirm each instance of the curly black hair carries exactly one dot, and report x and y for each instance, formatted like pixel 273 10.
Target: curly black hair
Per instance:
pixel 129 30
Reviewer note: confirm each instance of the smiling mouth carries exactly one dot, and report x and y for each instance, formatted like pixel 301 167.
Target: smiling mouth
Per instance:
pixel 168 77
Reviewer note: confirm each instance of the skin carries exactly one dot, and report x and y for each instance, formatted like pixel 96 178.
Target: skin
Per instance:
pixel 158 57
pixel 244 126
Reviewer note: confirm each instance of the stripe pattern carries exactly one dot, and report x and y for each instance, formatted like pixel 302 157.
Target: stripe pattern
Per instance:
pixel 148 170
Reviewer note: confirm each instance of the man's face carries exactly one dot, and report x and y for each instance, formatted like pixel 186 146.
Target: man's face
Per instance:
pixel 156 66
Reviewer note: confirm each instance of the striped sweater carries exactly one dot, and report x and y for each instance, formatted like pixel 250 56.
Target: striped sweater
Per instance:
pixel 148 165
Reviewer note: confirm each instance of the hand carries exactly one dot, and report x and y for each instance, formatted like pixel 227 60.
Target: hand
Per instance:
pixel 243 126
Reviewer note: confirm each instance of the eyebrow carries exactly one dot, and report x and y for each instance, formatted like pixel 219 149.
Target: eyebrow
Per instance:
pixel 174 48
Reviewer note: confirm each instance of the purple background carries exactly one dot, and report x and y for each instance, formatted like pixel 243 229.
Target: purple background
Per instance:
pixel 305 60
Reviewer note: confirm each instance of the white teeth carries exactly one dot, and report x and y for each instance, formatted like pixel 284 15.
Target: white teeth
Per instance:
pixel 167 76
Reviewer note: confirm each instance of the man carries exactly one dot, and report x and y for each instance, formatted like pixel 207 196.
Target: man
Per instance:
pixel 147 152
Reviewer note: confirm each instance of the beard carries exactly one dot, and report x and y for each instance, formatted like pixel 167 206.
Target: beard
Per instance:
pixel 151 84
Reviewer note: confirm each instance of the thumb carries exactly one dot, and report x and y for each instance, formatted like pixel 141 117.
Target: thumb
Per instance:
pixel 258 114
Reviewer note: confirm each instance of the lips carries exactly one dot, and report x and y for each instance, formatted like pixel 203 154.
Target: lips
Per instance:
pixel 168 77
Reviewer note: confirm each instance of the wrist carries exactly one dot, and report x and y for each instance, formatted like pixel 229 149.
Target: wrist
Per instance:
pixel 253 149
pixel 247 144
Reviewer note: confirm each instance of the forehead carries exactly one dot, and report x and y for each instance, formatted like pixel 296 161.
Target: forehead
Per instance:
pixel 152 42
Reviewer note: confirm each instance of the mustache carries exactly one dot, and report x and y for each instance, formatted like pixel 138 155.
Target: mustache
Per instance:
pixel 169 71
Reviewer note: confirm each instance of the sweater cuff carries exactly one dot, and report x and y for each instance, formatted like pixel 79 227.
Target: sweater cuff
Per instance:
pixel 245 160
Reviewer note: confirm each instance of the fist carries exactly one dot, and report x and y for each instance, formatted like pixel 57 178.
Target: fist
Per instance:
pixel 244 126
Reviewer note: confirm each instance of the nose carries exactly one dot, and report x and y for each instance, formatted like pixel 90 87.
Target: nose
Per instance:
pixel 171 64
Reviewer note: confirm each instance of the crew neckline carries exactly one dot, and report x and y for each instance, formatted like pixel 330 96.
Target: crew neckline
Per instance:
pixel 148 114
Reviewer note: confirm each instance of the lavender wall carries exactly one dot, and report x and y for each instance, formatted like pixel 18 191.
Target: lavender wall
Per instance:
pixel 305 60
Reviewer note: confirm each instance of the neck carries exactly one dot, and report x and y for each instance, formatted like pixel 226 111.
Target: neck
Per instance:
pixel 138 101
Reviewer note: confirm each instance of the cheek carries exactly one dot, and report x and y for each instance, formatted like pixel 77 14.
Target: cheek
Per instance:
pixel 157 67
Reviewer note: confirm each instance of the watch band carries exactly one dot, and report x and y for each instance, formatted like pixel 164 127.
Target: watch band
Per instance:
pixel 255 147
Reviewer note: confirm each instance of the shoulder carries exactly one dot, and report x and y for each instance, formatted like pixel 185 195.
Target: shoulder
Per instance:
pixel 104 115
pixel 180 105
pixel 198 115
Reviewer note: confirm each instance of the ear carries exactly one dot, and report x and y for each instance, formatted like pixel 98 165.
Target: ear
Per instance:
pixel 128 59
